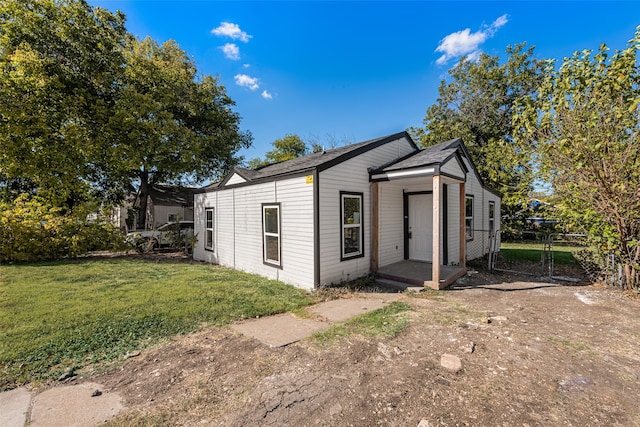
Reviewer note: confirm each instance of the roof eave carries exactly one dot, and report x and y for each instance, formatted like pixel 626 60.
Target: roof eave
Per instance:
pixel 415 172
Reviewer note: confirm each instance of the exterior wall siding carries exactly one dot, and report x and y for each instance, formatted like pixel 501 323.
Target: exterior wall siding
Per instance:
pixel 238 229
pixel 161 214
pixel 236 179
pixel 391 224
pixel 351 175
pixel 452 167
pixel 476 247
pixel 453 224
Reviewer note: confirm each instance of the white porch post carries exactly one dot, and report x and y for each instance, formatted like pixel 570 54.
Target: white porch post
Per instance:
pixel 435 266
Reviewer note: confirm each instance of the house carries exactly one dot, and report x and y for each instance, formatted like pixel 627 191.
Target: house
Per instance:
pixel 382 206
pixel 164 204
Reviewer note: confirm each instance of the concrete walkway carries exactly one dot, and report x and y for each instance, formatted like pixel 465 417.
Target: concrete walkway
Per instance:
pixel 88 404
pixel 81 405
pixel 284 329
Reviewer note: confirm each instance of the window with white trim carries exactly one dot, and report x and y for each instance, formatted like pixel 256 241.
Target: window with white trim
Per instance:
pixel 468 217
pixel 271 241
pixel 351 219
pixel 208 228
pixel 492 218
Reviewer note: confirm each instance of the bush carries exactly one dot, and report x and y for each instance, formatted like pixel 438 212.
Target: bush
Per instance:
pixel 31 230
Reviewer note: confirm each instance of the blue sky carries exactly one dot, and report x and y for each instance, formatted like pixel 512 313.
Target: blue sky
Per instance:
pixel 342 72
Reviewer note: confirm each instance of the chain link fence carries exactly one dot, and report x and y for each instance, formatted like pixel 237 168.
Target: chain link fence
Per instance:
pixel 556 256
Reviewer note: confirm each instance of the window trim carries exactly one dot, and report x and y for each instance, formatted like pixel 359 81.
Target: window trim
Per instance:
pixel 211 246
pixel 469 236
pixel 265 260
pixel 492 217
pixel 343 226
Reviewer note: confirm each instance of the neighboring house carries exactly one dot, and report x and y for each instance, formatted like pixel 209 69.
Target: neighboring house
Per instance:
pixel 164 204
pixel 381 206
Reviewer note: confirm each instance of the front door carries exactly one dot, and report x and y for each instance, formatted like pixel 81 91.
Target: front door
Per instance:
pixel 420 227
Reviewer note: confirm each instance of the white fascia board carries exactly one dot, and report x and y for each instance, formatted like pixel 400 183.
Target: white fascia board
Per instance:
pixel 405 173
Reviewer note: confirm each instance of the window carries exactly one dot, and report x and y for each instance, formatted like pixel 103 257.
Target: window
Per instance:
pixel 468 216
pixel 173 217
pixel 492 218
pixel 351 219
pixel 208 229
pixel 271 234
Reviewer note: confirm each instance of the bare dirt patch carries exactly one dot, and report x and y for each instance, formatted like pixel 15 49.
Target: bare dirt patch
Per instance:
pixel 533 353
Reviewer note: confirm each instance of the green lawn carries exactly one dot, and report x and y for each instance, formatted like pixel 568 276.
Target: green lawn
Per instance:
pixel 532 252
pixel 61 315
pixel 386 321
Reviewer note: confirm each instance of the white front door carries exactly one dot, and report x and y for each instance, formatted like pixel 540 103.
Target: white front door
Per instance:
pixel 420 227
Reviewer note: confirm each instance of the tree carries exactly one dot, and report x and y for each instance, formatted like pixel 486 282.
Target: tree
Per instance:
pixel 169 126
pixel 587 123
pixel 476 104
pixel 286 148
pixel 89 112
pixel 60 61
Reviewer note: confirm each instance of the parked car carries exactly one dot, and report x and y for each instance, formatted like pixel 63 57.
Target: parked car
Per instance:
pixel 163 236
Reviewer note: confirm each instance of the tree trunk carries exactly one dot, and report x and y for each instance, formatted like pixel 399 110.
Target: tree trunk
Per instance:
pixel 143 195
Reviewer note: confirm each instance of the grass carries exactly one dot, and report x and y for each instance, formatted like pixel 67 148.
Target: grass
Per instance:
pixel 66 315
pixel 532 252
pixel 429 294
pixel 571 344
pixel 387 321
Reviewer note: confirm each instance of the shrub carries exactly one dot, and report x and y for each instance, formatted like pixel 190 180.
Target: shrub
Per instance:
pixel 32 230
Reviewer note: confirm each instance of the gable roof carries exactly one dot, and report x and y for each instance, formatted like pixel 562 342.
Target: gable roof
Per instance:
pixel 172 196
pixel 433 155
pixel 315 161
pixel 426 161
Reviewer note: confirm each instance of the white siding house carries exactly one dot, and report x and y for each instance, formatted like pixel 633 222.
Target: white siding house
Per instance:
pixel 340 214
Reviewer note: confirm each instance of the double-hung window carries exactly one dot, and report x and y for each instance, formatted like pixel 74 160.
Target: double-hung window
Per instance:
pixel 271 239
pixel 492 218
pixel 351 241
pixel 468 217
pixel 208 228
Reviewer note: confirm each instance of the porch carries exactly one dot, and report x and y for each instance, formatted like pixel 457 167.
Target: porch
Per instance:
pixel 419 273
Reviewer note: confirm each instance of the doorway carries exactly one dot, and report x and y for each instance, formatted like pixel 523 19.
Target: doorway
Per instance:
pixel 419 226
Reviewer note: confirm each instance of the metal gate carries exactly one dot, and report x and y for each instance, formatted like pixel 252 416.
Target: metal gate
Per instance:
pixel 550 255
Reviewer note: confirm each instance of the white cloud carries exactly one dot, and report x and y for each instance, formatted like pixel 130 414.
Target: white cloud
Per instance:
pixel 246 81
pixel 266 95
pixel 229 29
pixel 231 51
pixel 499 22
pixel 246 65
pixel 465 42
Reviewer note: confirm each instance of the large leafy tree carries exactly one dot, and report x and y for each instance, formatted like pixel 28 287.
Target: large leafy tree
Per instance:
pixel 587 123
pixel 87 111
pixel 60 62
pixel 476 103
pixel 169 125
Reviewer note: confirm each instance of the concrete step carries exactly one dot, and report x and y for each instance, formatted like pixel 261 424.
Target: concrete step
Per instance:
pixel 397 285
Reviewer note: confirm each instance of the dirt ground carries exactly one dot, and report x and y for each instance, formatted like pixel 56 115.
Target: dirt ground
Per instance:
pixel 533 354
